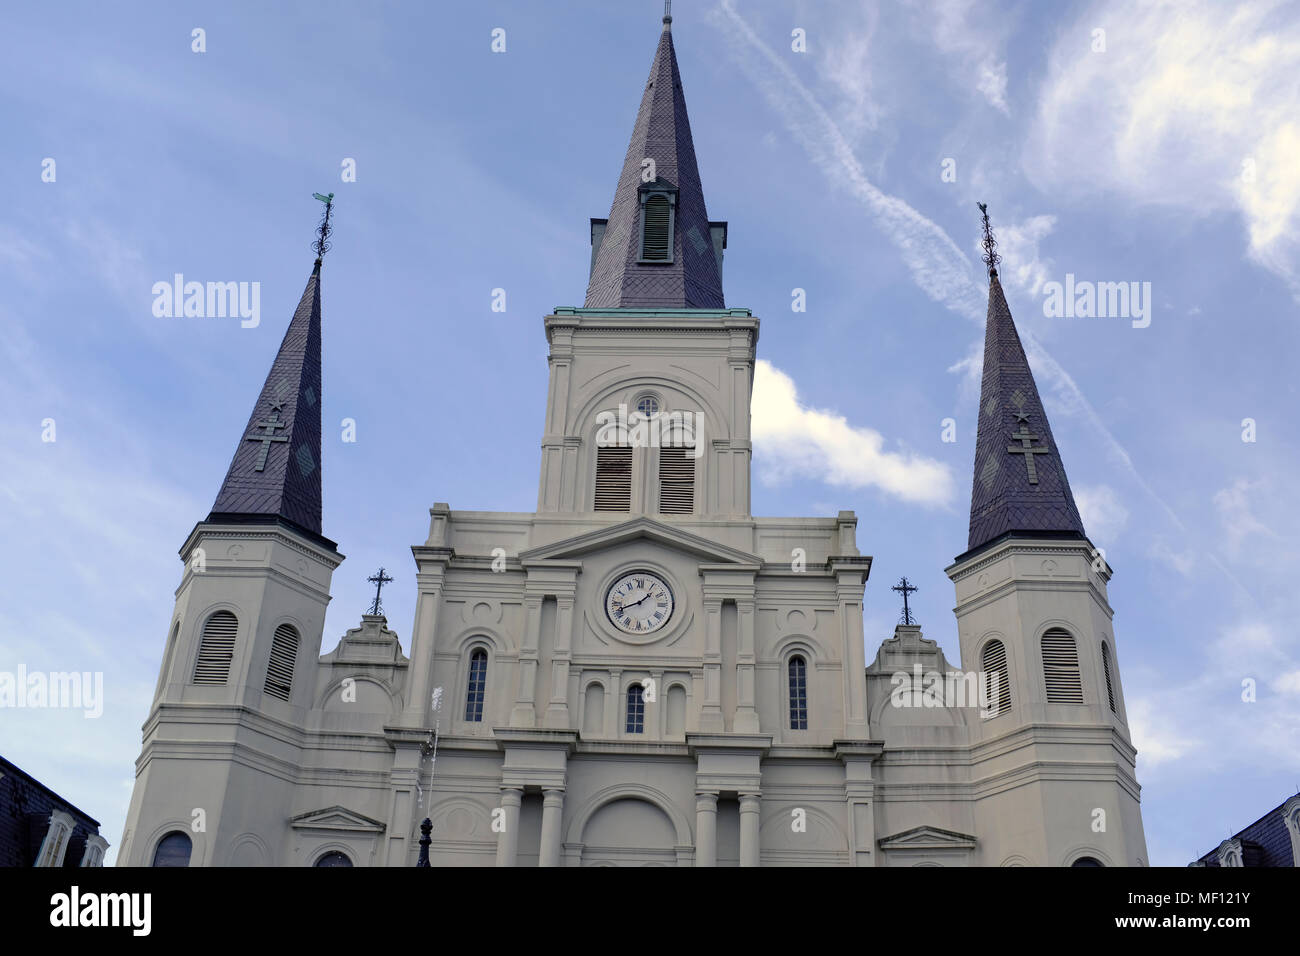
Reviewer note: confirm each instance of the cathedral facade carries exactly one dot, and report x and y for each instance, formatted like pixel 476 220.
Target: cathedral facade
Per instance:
pixel 641 672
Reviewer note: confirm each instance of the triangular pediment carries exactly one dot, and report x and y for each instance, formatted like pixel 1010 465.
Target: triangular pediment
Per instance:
pixel 336 818
pixel 928 838
pixel 641 529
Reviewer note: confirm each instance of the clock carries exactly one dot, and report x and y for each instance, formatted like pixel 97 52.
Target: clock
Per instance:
pixel 639 603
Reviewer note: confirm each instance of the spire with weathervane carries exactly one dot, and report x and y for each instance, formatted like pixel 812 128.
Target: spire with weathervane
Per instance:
pixel 1020 485
pixel 275 475
pixel 621 276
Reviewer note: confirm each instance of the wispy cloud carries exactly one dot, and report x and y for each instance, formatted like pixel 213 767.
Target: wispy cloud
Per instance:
pixel 1195 105
pixel 791 439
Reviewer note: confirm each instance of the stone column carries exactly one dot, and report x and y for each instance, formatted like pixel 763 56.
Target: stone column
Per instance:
pixel 706 829
pixel 711 712
pixel 552 819
pixel 750 805
pixel 525 709
pixel 508 838
pixel 746 715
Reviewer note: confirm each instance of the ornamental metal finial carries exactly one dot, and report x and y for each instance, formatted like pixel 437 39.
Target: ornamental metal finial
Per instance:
pixel 378 579
pixel 668 12
pixel 991 257
pixel 905 588
pixel 323 230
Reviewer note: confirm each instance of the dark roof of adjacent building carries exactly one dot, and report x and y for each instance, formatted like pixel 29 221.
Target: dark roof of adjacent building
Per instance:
pixel 25 808
pixel 275 474
pixel 1266 842
pixel 662 132
pixel 1009 494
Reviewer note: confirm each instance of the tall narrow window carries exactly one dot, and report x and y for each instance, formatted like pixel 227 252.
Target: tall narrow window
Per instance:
pixel 173 850
pixel 476 686
pixel 997 681
pixel 798 693
pixel 614 478
pixel 676 481
pixel 635 710
pixel 284 652
pixel 1105 666
pixel 656 234
pixel 1061 668
pixel 216 649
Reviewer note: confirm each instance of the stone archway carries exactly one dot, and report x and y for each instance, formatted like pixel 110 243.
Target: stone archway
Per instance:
pixel 629 831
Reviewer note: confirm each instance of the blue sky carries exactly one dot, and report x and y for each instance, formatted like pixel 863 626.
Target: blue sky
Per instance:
pixel 1171 157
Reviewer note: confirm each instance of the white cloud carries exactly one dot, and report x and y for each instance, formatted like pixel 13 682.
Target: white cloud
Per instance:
pixel 1022 265
pixel 1156 734
pixel 972 43
pixel 1104 516
pixel 791 440
pixel 1195 105
pixel 1236 515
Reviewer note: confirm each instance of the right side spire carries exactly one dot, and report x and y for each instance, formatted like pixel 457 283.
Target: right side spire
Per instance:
pixel 1020 485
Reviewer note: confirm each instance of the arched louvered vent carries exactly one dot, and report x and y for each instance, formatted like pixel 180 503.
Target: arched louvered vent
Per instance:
pixel 656 237
pixel 1061 668
pixel 613 478
pixel 997 679
pixel 1105 666
pixel 676 481
pixel 216 649
pixel 279 672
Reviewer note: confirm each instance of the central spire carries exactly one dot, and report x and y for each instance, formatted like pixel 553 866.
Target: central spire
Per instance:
pixel 658 248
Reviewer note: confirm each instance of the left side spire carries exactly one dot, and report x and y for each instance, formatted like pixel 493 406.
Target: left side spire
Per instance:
pixel 275 474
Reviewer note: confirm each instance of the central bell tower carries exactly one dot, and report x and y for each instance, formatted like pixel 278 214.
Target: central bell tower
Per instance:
pixel 650 381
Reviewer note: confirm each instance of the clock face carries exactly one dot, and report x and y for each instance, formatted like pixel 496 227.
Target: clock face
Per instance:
pixel 639 603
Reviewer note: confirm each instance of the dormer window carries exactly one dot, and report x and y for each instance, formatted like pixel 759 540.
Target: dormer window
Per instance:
pixel 658 214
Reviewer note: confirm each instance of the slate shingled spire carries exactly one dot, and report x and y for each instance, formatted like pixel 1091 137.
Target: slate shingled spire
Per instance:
pixel 662 133
pixel 275 475
pixel 1020 484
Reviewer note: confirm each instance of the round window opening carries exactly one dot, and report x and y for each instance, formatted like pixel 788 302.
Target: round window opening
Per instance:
pixel 648 406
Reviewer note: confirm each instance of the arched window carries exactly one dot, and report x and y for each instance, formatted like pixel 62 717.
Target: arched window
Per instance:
pixel 798 675
pixel 676 481
pixel 1087 861
pixel 657 229
pixel 476 686
pixel 1105 666
pixel 57 837
pixel 635 709
pixel 613 478
pixel 173 850
pixel 1061 667
pixel 284 652
pixel 216 649
pixel 997 679
pixel 334 858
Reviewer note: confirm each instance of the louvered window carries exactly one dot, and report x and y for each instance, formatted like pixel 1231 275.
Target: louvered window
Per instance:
pixel 635 710
pixel 216 649
pixel 614 478
pixel 1105 666
pixel 798 693
pixel 997 681
pixel 656 235
pixel 676 481
pixel 1061 668
pixel 476 686
pixel 284 652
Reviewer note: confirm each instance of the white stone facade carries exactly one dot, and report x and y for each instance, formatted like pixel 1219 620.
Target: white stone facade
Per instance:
pixel 717 774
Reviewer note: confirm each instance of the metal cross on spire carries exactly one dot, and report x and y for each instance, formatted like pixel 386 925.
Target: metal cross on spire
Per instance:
pixel 323 230
pixel 378 579
pixel 991 257
pixel 905 588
